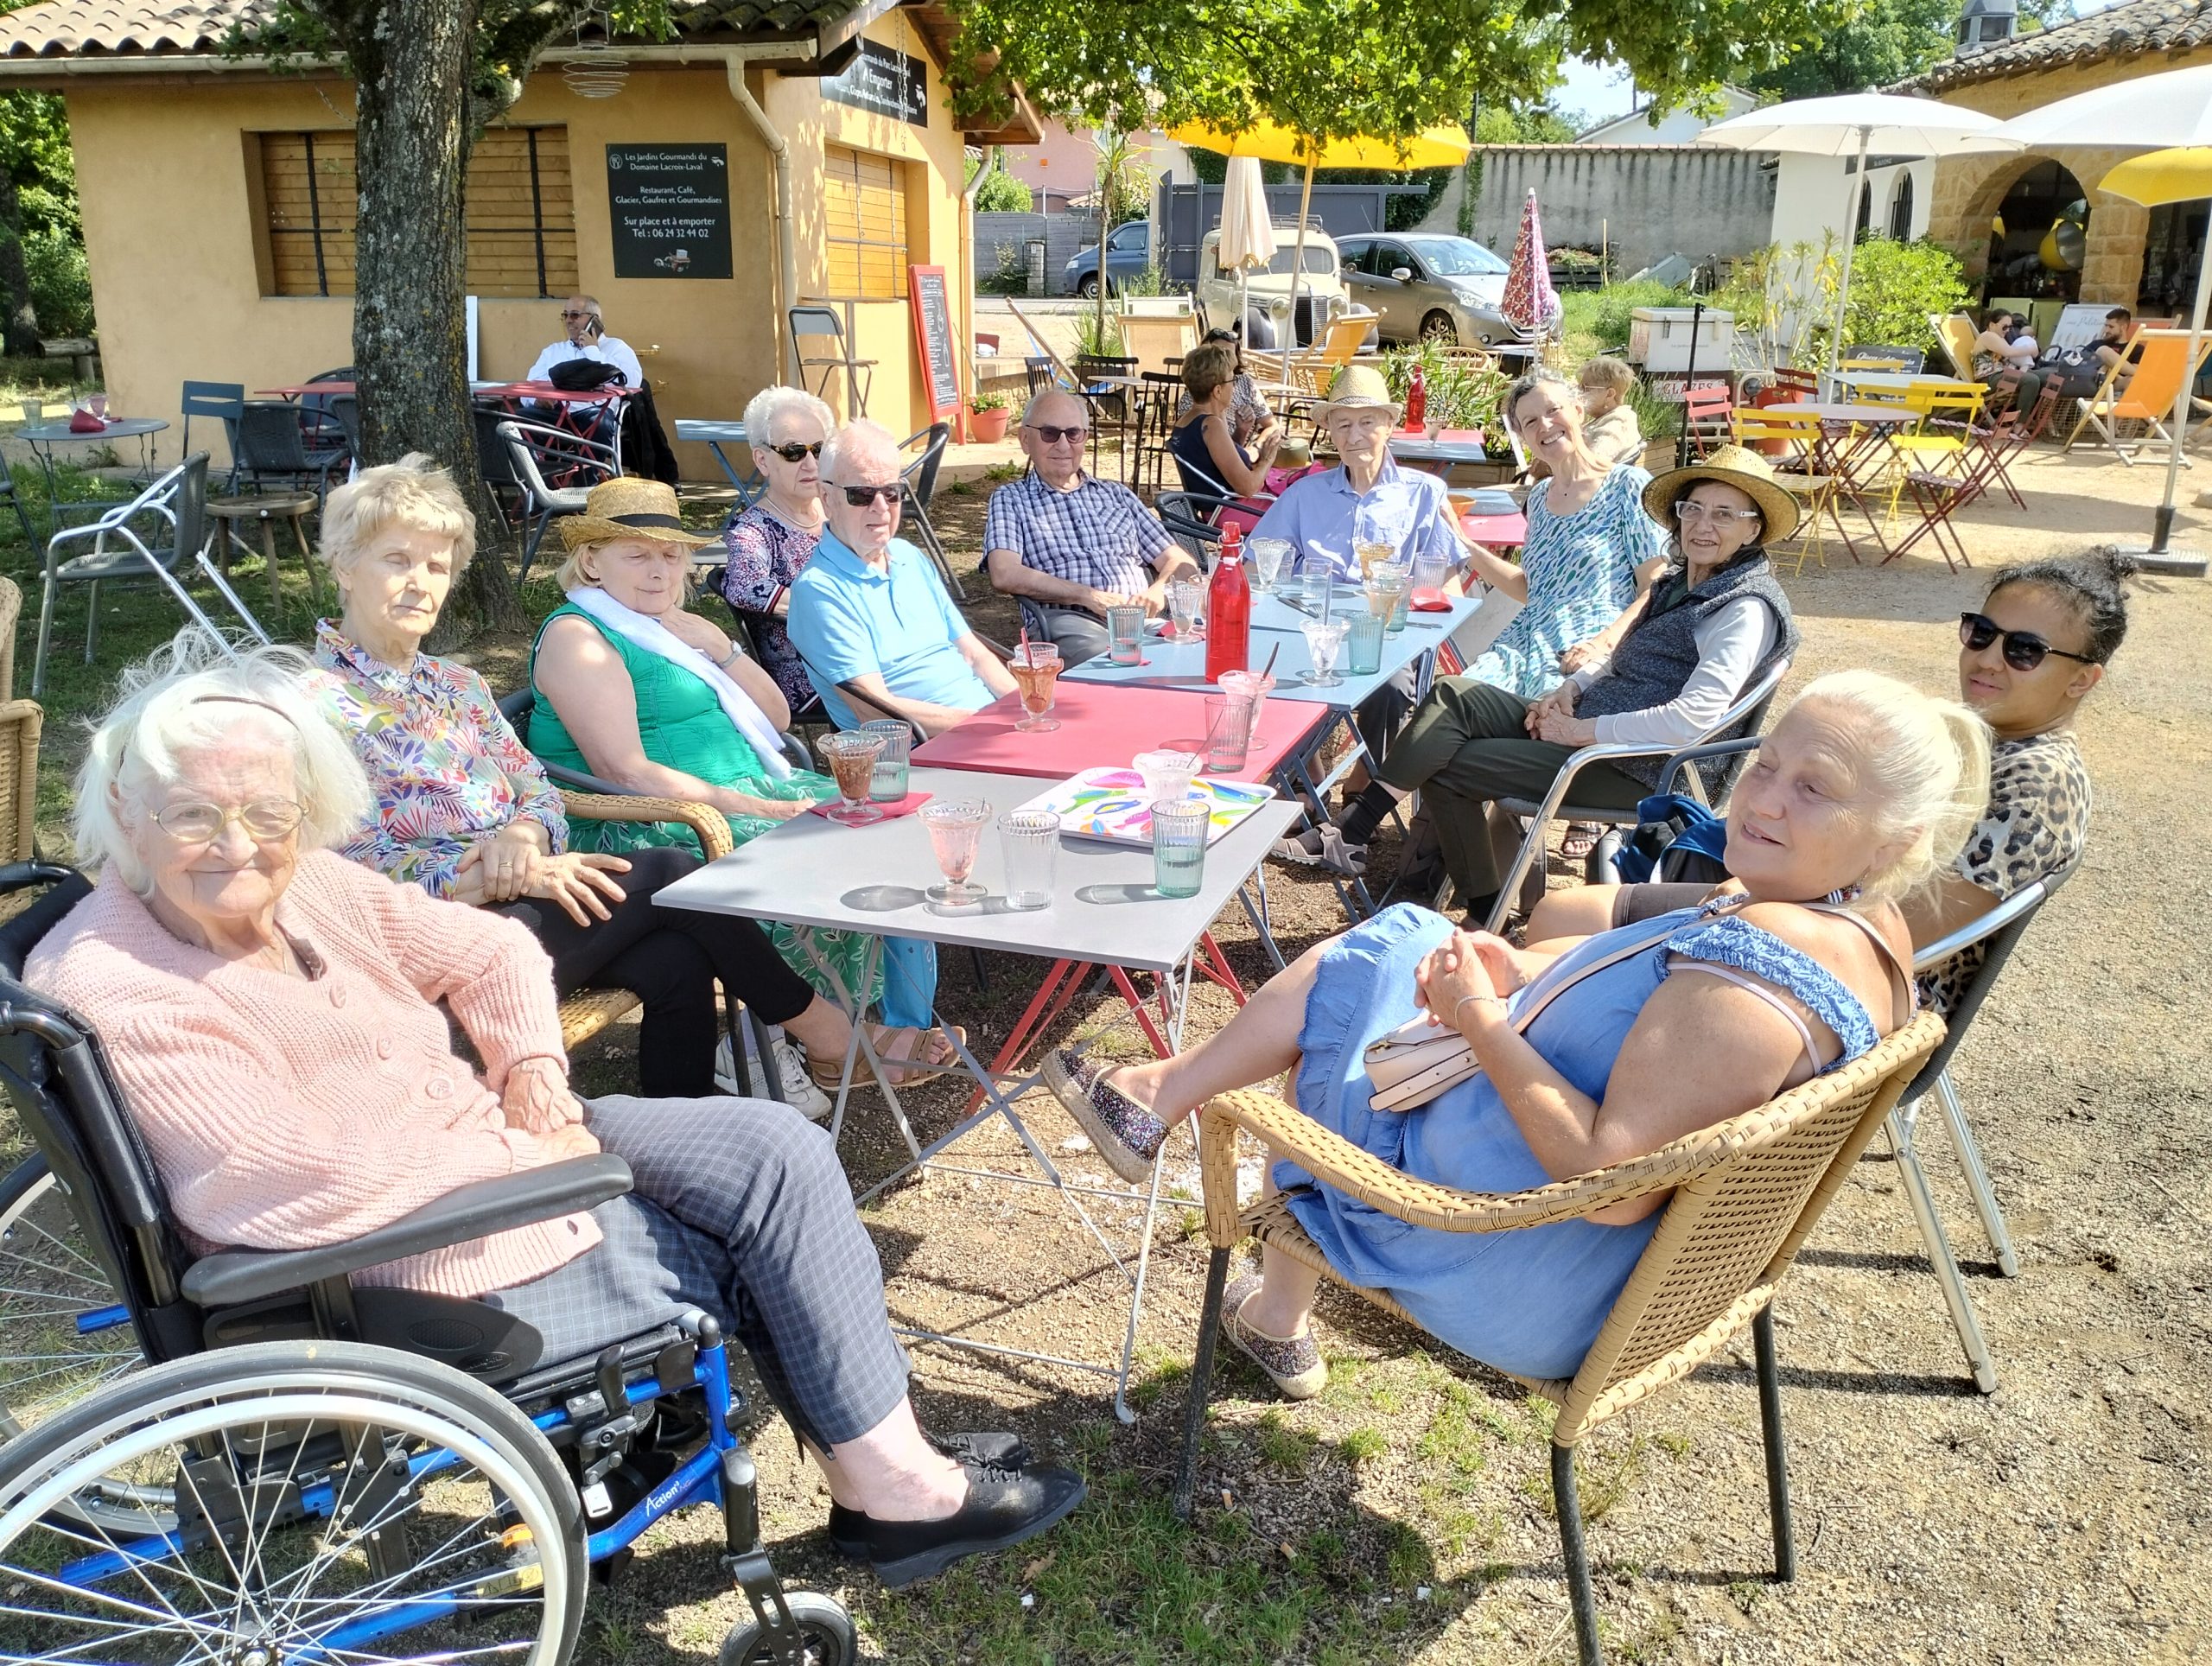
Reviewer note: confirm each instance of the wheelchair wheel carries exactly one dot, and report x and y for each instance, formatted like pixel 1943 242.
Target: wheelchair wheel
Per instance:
pixel 332 1502
pixel 826 1635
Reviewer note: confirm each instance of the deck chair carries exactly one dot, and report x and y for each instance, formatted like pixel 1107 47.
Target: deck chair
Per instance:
pixel 919 478
pixel 1800 431
pixel 1311 371
pixel 2163 367
pixel 1954 334
pixel 1747 1193
pixel 819 324
pixel 1997 933
pixel 535 450
pixel 1155 342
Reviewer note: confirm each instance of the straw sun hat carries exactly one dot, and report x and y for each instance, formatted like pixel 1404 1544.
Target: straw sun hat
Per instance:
pixel 1358 387
pixel 1731 465
pixel 627 507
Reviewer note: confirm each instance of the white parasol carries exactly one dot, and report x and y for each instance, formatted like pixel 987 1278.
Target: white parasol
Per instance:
pixel 1248 231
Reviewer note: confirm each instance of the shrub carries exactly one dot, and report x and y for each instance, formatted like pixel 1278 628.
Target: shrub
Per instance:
pixel 1784 298
pixel 1457 396
pixel 991 399
pixel 1000 193
pixel 61 288
pixel 1011 274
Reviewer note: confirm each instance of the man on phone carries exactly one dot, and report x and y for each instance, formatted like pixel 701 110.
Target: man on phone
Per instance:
pixel 586 338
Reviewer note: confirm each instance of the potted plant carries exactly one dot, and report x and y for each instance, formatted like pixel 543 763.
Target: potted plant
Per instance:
pixel 987 414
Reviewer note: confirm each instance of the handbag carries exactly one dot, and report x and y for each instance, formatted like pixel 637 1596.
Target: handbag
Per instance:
pixel 584 375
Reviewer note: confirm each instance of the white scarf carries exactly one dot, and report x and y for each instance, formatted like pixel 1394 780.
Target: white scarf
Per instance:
pixel 656 638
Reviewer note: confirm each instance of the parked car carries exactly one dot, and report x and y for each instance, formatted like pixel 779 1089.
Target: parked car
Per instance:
pixel 1128 251
pixel 1425 286
pixel 1321 288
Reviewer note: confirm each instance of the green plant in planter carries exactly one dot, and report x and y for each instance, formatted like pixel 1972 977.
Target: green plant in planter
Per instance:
pixel 990 399
pixel 1458 395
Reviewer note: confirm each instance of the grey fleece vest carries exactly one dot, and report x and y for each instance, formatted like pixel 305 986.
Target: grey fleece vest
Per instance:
pixel 1657 656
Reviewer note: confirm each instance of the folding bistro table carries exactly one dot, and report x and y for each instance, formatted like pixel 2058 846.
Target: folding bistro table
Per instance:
pixel 1105 911
pixel 714 435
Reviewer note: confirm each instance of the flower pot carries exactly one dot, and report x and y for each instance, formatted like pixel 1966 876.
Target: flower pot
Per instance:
pixel 988 427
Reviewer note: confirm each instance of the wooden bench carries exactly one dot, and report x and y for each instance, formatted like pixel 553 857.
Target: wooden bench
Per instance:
pixel 82 354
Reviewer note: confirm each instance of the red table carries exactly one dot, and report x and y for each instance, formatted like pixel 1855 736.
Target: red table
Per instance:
pixel 1496 531
pixel 1105 725
pixel 516 395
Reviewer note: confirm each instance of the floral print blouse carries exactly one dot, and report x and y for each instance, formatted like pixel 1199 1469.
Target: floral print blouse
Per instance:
pixel 447 769
pixel 765 556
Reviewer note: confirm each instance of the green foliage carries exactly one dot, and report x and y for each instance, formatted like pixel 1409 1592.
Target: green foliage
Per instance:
pixel 1458 395
pixel 1784 298
pixel 1882 42
pixel 1894 288
pixel 1097 335
pixel 991 399
pixel 1146 281
pixel 1001 194
pixel 61 288
pixel 35 151
pixel 1009 274
pixel 1505 124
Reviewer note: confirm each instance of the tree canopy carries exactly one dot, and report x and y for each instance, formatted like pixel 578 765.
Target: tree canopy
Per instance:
pixel 1880 42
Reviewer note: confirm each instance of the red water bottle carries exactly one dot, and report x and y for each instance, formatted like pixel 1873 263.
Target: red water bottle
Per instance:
pixel 1416 399
pixel 1228 610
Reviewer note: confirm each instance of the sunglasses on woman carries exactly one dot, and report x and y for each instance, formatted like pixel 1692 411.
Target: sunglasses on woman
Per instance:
pixel 796 450
pixel 860 496
pixel 2024 650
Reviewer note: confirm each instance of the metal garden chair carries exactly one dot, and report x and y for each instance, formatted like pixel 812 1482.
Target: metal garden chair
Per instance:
pixel 532 449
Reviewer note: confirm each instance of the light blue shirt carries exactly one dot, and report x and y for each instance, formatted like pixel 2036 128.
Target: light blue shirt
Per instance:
pixel 849 620
pixel 1321 515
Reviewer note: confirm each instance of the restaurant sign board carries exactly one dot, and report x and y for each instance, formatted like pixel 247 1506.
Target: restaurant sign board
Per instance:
pixel 669 209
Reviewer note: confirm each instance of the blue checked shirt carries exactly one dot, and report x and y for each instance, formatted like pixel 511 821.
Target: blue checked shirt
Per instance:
pixel 1100 534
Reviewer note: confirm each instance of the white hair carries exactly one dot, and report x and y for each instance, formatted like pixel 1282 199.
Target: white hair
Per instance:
pixel 859 443
pixel 1036 399
pixel 1927 761
pixel 191 693
pixel 762 409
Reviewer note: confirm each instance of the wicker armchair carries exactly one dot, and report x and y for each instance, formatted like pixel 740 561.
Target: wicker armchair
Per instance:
pixel 1746 1193
pixel 11 609
pixel 21 723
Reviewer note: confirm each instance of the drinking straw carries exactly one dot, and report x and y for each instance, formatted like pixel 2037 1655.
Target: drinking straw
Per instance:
pixel 1268 670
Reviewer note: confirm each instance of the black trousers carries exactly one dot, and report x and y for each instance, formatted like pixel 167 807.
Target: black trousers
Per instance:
pixel 669 958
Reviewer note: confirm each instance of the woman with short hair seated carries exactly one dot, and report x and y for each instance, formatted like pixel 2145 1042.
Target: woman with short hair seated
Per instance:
pixel 1249 419
pixel 272 1012
pixel 1586 1060
pixel 1213 462
pixel 2027 660
pixel 459 807
pixel 773 536
pixel 636 690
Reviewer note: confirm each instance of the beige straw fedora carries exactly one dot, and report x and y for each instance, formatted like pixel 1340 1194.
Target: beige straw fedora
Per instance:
pixel 627 507
pixel 1357 387
pixel 1731 465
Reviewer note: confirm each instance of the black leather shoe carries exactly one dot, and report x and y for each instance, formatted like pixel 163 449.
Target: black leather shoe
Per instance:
pixel 849 1528
pixel 1004 1507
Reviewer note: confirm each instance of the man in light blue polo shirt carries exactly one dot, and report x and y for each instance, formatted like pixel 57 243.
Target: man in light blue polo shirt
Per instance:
pixel 878 634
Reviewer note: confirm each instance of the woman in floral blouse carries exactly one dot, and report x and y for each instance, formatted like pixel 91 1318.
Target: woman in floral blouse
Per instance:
pixel 463 810
pixel 771 541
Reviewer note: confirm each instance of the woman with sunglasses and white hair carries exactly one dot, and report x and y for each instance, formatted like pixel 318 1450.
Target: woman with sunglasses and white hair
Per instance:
pixel 772 539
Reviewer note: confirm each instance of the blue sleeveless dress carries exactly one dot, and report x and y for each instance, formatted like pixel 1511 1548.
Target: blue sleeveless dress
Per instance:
pixel 1529 1301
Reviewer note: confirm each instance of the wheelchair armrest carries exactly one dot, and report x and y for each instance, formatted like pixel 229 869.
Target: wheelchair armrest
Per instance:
pixel 22 875
pixel 230 1276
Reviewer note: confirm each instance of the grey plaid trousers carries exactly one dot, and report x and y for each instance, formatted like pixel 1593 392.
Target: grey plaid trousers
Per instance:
pixel 741 1208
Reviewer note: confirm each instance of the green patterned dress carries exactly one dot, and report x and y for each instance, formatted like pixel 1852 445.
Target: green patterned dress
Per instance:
pixel 682 726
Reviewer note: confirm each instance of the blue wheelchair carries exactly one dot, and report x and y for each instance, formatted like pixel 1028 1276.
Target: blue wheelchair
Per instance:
pixel 243 1459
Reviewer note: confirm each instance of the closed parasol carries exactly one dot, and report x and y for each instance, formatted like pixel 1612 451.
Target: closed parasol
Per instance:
pixel 1531 305
pixel 1247 234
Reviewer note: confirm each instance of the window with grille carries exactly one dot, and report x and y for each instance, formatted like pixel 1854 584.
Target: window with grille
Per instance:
pixel 521 226
pixel 864 211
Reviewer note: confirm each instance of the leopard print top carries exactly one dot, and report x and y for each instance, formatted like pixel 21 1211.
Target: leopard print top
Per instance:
pixel 2035 822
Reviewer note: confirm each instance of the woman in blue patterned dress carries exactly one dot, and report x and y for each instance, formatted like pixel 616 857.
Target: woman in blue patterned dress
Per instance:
pixel 1589 1058
pixel 1591 549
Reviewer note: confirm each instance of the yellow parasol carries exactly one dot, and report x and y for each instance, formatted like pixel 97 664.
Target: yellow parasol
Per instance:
pixel 1444 146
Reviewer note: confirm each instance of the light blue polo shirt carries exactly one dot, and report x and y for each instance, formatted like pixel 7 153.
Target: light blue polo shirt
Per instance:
pixel 848 620
pixel 1321 515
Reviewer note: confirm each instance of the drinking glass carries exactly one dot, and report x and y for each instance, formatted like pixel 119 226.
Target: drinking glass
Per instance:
pixel 1316 583
pixel 1429 574
pixel 1388 587
pixel 1125 625
pixel 1268 557
pixel 1254 687
pixel 1229 732
pixel 1178 846
pixel 1030 842
pixel 1166 772
pixel 1322 638
pixel 888 784
pixel 956 828
pixel 1371 552
pixel 851 757
pixel 1036 668
pixel 1364 644
pixel 97 405
pixel 1186 605
pixel 33 412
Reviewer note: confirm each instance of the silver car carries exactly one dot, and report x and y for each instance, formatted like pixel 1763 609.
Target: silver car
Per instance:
pixel 1426 286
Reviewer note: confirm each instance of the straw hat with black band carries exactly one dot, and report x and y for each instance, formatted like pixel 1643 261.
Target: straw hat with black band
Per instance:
pixel 1730 465
pixel 1358 387
pixel 627 507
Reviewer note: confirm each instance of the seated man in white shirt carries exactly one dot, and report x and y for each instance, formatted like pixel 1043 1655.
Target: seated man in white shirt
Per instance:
pixel 586 338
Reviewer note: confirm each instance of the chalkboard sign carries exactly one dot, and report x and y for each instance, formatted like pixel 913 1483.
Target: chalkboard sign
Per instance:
pixel 885 80
pixel 669 207
pixel 933 308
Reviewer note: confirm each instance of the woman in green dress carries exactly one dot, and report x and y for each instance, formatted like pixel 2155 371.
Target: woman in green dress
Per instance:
pixel 632 688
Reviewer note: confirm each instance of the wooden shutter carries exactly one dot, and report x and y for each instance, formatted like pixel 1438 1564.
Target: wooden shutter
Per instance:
pixel 864 204
pixel 308 184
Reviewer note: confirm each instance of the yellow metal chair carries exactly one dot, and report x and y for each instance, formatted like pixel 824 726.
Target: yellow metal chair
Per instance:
pixel 1945 415
pixel 1799 434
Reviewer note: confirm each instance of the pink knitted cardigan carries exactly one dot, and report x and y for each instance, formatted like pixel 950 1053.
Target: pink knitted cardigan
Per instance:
pixel 284 1112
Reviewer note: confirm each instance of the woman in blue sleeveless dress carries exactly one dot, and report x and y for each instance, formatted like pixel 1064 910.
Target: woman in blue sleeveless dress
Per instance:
pixel 1589 1057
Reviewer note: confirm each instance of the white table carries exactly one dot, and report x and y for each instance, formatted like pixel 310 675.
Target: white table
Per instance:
pixel 1105 912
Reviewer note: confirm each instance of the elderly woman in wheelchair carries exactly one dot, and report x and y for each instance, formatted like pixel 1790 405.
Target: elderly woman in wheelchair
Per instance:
pixel 1580 1061
pixel 271 1013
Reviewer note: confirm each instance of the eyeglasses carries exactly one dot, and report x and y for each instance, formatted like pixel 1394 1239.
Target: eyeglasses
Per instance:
pixel 266 820
pixel 1059 435
pixel 573 316
pixel 2024 650
pixel 860 496
pixel 795 450
pixel 1690 513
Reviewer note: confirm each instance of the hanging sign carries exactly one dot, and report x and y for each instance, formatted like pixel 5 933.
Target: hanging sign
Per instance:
pixel 933 338
pixel 883 79
pixel 669 209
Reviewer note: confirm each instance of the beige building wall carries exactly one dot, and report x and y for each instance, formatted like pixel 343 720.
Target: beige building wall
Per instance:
pixel 1969 189
pixel 170 229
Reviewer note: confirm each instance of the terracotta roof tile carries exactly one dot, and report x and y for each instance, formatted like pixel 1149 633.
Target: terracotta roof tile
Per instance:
pixel 2130 29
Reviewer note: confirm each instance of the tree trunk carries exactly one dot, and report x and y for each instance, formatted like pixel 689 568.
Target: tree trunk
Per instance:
pixel 19 324
pixel 411 61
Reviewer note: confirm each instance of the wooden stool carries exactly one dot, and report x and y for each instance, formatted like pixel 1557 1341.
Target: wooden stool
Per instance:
pixel 287 506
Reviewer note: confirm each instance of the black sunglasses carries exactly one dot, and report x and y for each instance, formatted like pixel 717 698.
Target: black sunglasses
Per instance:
pixel 860 496
pixel 2024 650
pixel 795 450
pixel 1055 435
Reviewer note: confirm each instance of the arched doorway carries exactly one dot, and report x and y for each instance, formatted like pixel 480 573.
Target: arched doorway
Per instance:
pixel 1901 208
pixel 2038 237
pixel 2172 249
